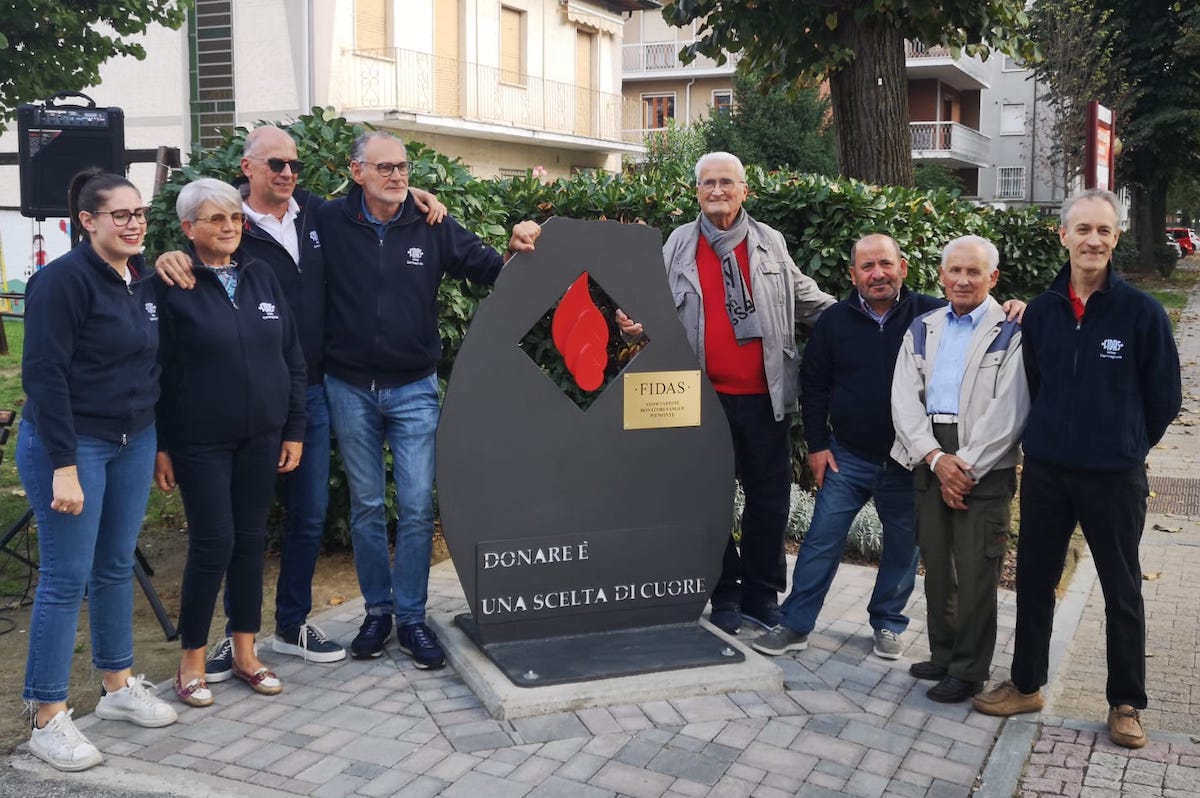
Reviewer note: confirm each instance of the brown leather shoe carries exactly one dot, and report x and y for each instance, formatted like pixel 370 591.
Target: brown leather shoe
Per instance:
pixel 1125 727
pixel 1005 699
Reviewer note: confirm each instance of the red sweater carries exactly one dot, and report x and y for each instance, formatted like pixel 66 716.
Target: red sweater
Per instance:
pixel 732 368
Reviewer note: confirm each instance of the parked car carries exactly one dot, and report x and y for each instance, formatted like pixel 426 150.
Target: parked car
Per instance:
pixel 1188 240
pixel 1174 246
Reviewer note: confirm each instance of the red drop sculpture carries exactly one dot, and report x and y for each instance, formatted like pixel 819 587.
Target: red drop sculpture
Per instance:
pixel 580 334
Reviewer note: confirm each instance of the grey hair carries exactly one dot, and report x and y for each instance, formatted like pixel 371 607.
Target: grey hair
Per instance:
pixel 854 246
pixel 206 189
pixel 1091 193
pixel 720 156
pixel 359 152
pixel 989 250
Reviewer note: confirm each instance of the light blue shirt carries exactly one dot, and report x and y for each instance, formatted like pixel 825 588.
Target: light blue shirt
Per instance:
pixel 944 385
pixel 879 318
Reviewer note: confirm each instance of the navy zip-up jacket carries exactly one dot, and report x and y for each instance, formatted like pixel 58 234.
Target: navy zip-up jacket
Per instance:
pixel 846 375
pixel 303 284
pixel 231 369
pixel 381 323
pixel 1104 389
pixel 89 366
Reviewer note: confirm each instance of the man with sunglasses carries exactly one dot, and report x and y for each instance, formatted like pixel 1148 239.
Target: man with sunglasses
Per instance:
pixel 281 229
pixel 381 353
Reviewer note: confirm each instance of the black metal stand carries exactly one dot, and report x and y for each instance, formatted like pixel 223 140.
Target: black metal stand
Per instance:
pixel 10 533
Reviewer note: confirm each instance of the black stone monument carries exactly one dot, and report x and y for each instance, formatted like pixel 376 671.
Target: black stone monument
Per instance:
pixel 587 541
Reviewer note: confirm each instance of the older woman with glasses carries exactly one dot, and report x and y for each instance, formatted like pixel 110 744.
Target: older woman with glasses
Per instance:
pixel 85 455
pixel 231 416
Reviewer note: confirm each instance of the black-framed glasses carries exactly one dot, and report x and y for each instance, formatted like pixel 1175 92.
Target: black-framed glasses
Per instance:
pixel 386 168
pixel 219 219
pixel 276 164
pixel 121 217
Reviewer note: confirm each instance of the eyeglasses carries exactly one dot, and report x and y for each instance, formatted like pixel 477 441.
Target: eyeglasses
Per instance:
pixel 386 168
pixel 219 219
pixel 121 218
pixel 724 183
pixel 276 164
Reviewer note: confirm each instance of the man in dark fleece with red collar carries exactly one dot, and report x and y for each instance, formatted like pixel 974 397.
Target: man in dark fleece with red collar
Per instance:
pixel 381 353
pixel 1104 378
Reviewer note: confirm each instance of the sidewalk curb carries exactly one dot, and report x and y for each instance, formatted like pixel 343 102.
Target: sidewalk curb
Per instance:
pixel 1006 762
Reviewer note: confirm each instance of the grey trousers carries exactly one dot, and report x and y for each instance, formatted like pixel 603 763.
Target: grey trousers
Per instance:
pixel 963 551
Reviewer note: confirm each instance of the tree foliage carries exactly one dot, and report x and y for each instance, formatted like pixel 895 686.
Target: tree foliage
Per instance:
pixel 777 129
pixel 859 47
pixel 47 48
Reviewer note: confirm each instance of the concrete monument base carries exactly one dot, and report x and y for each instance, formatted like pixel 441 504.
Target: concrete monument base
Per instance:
pixel 505 700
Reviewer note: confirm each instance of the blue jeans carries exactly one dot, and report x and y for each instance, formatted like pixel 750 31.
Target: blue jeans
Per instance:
pixel 92 551
pixel 838 502
pixel 406 419
pixel 306 498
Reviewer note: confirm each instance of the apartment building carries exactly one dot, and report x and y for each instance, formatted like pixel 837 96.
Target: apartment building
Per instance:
pixel 980 119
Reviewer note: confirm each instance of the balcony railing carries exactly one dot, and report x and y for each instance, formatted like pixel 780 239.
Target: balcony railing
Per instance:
pixel 918 55
pixel 655 57
pixel 949 140
pixel 406 80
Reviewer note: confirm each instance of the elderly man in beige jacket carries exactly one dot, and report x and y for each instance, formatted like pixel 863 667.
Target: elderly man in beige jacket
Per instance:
pixel 959 405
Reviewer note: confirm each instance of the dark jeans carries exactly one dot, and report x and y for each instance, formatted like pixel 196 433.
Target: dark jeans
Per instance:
pixel 227 489
pixel 1111 509
pixel 762 458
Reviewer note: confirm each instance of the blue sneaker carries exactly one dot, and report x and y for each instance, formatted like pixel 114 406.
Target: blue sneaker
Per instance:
pixel 419 642
pixel 219 665
pixel 373 633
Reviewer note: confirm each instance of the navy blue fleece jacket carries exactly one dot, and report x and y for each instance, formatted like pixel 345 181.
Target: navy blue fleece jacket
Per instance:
pixel 89 366
pixel 846 375
pixel 381 289
pixel 231 369
pixel 303 284
pixel 1105 388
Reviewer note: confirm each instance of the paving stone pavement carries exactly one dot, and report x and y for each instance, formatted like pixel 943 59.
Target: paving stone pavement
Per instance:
pixel 847 723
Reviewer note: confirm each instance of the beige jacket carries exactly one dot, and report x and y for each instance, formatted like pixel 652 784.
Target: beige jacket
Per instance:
pixel 993 401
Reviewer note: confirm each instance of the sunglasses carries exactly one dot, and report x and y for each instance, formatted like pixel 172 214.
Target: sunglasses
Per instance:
pixel 276 164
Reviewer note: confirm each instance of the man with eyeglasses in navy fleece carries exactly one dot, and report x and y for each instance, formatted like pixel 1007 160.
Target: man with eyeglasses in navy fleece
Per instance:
pixel 381 353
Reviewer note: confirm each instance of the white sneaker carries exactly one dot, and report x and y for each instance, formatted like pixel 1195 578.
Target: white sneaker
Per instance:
pixel 135 703
pixel 62 745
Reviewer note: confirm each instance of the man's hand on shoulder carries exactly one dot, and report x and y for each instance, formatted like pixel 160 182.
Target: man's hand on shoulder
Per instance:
pixel 428 204
pixel 175 268
pixel 1015 308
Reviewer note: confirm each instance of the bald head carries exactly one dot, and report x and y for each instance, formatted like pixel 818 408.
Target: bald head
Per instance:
pixel 270 190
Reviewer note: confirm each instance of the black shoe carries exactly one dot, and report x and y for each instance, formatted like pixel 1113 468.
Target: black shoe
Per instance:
pixel 726 617
pixel 371 636
pixel 928 670
pixel 765 615
pixel 419 642
pixel 951 690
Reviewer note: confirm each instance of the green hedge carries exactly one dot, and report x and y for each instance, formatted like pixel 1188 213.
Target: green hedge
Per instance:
pixel 820 217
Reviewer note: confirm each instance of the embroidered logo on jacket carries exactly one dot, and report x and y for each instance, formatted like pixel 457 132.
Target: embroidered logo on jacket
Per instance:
pixel 151 311
pixel 316 240
pixel 268 310
pixel 415 254
pixel 1111 348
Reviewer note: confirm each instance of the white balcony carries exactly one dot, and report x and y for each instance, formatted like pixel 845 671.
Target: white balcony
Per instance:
pixel 445 95
pixel 658 60
pixel 963 73
pixel 957 146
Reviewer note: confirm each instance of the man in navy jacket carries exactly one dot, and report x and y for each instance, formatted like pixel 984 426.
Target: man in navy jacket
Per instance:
pixel 1104 378
pixel 381 353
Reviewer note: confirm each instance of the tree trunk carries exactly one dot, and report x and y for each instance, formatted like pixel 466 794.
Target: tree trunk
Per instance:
pixel 1149 211
pixel 870 104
